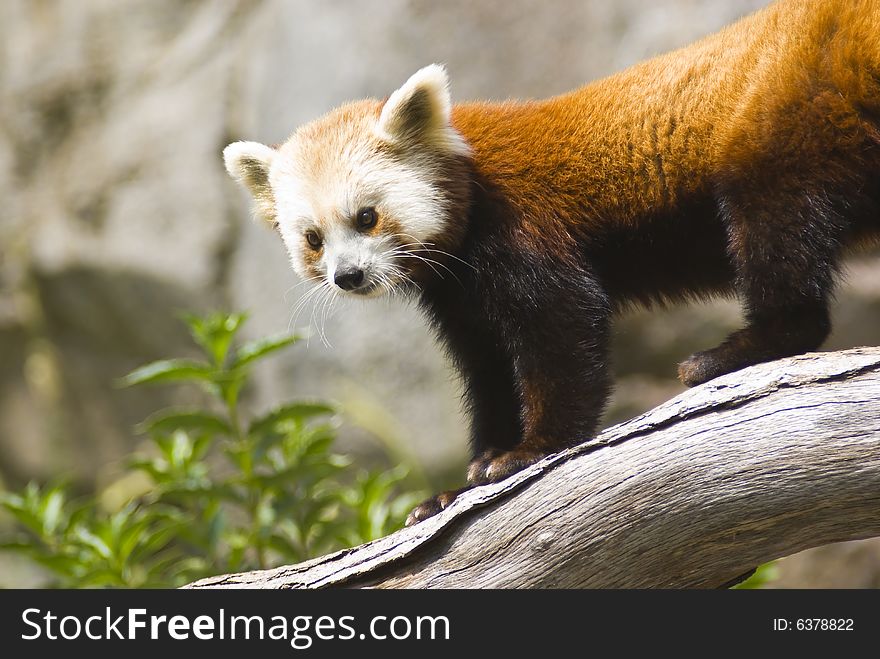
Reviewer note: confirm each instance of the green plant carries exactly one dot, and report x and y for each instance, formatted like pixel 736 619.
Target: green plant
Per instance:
pixel 762 576
pixel 227 491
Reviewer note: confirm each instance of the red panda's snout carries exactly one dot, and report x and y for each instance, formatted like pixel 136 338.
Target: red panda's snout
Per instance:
pixel 349 278
pixel 365 264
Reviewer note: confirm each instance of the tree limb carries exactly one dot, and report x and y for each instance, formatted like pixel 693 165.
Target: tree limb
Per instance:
pixel 752 466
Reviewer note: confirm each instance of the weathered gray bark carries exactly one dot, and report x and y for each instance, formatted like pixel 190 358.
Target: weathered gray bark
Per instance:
pixel 749 467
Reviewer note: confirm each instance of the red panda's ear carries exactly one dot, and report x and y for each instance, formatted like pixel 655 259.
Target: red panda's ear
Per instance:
pixel 248 163
pixel 419 113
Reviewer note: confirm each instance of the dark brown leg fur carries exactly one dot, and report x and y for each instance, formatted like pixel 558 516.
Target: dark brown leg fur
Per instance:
pixel 785 253
pixel 772 336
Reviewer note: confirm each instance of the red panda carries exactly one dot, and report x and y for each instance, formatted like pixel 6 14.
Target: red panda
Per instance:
pixel 747 163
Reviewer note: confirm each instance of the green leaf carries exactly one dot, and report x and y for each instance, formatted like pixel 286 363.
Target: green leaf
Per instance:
pixel 154 468
pixel 168 421
pixel 181 449
pixel 168 370
pixel 214 333
pixel 763 575
pixel 134 534
pixel 52 510
pixel 259 348
pixel 291 412
pixel 229 384
pixel 39 511
pixel 101 576
pixel 201 444
pixel 150 536
pixel 22 511
pixel 92 541
pixel 22 544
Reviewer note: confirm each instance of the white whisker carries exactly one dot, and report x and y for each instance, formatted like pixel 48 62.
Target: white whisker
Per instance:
pixel 432 248
pixel 300 305
pixel 307 280
pixel 320 313
pixel 325 307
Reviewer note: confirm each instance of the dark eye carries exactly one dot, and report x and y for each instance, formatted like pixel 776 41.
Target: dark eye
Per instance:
pixel 313 239
pixel 366 218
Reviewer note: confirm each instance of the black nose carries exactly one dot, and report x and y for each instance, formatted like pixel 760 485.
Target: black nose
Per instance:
pixel 348 278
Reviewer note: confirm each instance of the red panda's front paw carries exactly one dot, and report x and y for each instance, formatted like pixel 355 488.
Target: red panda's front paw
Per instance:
pixel 432 506
pixel 493 465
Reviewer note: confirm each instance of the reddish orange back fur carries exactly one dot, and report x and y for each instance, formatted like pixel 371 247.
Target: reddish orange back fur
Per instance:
pixel 640 141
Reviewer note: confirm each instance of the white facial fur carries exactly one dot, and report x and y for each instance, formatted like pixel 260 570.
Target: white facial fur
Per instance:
pixel 359 157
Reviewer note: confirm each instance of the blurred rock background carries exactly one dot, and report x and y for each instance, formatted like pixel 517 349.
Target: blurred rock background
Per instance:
pixel 117 213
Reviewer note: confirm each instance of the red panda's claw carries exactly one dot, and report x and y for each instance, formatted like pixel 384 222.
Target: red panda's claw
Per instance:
pixel 432 506
pixel 494 466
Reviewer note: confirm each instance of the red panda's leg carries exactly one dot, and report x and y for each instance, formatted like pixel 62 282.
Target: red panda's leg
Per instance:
pixel 489 391
pixel 770 334
pixel 785 250
pixel 558 336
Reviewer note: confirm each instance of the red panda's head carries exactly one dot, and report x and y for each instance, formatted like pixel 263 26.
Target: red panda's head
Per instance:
pixel 366 196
